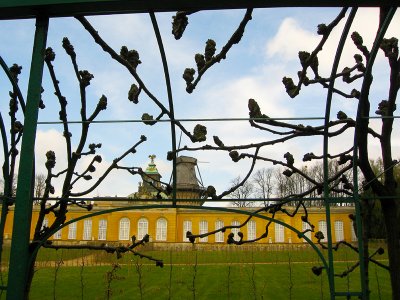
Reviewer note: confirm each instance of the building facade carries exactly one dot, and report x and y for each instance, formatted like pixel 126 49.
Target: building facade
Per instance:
pixel 170 224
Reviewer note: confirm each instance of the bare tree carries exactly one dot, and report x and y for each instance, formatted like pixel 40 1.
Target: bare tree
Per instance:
pixel 40 186
pixel 241 193
pixel 263 184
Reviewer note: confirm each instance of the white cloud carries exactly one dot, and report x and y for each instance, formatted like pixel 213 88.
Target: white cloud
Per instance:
pixel 117 183
pixel 289 39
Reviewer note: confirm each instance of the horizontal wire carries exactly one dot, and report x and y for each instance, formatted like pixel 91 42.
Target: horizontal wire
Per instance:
pixel 198 120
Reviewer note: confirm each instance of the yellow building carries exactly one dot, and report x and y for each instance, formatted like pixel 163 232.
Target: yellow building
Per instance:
pixel 170 224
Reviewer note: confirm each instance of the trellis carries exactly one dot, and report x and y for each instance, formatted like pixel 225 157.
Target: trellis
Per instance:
pixel 43 10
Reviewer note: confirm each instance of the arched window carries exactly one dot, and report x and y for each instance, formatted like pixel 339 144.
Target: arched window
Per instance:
pixel 102 230
pixel 203 228
pixel 161 229
pixel 143 228
pixel 323 229
pixel 304 227
pixel 87 229
pixel 235 230
pixel 219 236
pixel 57 235
pixel 72 231
pixel 339 235
pixel 251 230
pixel 279 233
pixel 124 229
pixel 187 226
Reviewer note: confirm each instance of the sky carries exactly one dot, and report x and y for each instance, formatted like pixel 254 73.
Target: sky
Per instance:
pixel 254 68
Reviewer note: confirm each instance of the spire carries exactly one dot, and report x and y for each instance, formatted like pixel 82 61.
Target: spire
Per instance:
pixel 151 168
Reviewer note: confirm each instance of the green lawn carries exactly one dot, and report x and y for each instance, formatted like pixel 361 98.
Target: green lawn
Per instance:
pixel 225 274
pixel 274 281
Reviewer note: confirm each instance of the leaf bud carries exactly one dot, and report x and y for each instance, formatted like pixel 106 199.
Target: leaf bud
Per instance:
pixel 170 155
pixel 200 61
pixel 357 39
pixel 209 49
pixel 358 58
pixel 51 159
pixel 289 158
pixel 287 173
pixel 102 104
pixel 383 107
pixel 291 88
pixel 15 70
pixel 17 127
pixel 159 263
pixel 317 270
pixel 355 93
pixel 218 142
pixel 319 235
pixel 309 156
pixel 231 239
pixel 179 23
pixel 146 238
pixel 68 47
pixel 148 119
pixel 341 115
pixel 131 56
pixel 234 155
pixel 322 29
pixel 211 192
pixel 86 77
pixel 188 75
pixel 49 54
pixel 133 94
pixel 199 133
pixel 304 56
pixel 254 109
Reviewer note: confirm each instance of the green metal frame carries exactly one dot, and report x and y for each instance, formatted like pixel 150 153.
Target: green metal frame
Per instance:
pixel 42 10
pixel 17 9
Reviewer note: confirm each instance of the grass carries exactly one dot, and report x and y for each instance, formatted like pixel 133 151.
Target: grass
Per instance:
pixel 224 274
pixel 270 282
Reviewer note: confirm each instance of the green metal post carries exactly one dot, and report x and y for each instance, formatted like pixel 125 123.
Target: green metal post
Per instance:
pixel 327 198
pixel 19 259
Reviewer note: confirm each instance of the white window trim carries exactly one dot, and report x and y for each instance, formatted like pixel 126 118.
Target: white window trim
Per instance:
pixel 57 234
pixel 219 236
pixel 72 231
pixel 279 233
pixel 339 231
pixel 124 229
pixel 87 229
pixel 102 235
pixel 251 230
pixel 235 231
pixel 323 228
pixel 143 228
pixel 203 228
pixel 187 226
pixel 161 229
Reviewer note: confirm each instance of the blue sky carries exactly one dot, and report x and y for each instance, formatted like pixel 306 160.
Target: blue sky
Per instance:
pixel 253 69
